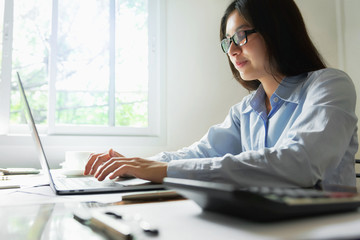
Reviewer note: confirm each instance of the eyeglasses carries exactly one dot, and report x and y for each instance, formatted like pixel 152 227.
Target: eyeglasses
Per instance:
pixel 239 39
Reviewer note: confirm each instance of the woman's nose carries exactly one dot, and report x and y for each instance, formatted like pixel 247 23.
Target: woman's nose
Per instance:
pixel 234 49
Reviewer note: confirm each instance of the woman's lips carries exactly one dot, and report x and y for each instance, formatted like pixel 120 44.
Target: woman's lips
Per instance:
pixel 240 64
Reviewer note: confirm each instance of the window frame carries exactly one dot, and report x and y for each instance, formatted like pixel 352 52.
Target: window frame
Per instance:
pixel 156 123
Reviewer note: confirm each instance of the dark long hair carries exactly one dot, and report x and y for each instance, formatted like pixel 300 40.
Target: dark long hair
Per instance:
pixel 290 50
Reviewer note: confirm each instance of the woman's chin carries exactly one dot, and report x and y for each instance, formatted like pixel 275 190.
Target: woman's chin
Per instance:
pixel 246 77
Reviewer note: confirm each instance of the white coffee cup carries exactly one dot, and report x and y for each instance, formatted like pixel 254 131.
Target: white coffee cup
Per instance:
pixel 75 160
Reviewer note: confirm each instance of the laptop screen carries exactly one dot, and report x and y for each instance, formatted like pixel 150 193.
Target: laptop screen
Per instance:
pixel 34 133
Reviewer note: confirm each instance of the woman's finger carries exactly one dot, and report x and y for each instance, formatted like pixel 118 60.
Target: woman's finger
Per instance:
pixel 111 168
pixel 105 166
pixel 90 162
pixel 100 159
pixel 113 153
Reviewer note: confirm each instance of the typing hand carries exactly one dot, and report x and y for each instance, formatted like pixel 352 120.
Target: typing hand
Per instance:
pixel 96 160
pixel 141 168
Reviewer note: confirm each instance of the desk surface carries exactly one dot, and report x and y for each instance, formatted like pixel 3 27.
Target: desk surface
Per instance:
pixel 36 213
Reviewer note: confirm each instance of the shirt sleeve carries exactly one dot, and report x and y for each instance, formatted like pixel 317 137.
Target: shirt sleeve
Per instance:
pixel 219 140
pixel 319 139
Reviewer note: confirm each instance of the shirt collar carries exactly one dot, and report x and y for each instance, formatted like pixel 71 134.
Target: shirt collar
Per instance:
pixel 288 90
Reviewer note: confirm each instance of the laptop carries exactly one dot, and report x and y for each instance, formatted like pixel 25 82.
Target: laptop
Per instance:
pixel 63 185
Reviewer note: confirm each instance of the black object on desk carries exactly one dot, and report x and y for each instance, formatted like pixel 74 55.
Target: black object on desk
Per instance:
pixel 263 203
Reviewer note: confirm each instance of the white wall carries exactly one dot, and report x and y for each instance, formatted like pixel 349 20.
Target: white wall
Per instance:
pixel 351 45
pixel 200 87
pixel 321 22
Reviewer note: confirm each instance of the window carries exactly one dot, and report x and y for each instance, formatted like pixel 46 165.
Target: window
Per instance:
pixel 88 67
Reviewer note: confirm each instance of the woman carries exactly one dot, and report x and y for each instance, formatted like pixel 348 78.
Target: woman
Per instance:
pixel 297 128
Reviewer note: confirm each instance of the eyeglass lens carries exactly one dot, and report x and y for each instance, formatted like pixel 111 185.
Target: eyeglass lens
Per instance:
pixel 239 38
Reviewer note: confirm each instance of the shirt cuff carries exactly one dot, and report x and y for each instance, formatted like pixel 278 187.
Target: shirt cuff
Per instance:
pixel 198 169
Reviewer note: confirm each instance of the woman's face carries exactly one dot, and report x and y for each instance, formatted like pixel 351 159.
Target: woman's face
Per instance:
pixel 250 59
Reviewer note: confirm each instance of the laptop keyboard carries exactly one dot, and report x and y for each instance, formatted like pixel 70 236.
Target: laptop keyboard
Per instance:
pixel 83 183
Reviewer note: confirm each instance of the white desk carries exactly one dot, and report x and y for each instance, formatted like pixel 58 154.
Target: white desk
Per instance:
pixel 36 213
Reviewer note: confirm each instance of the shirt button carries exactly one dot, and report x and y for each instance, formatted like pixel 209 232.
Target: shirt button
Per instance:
pixel 276 99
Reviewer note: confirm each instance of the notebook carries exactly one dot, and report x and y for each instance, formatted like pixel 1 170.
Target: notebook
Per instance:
pixel 63 185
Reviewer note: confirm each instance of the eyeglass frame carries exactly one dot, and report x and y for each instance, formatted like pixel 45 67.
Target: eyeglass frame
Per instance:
pixel 247 32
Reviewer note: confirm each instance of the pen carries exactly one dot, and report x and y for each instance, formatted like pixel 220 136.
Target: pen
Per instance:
pixel 151 195
pixel 10 186
pixel 19 171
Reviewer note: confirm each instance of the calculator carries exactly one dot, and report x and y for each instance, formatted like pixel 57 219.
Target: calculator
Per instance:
pixel 264 203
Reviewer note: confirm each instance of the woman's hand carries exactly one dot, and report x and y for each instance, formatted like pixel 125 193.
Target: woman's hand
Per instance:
pixel 96 160
pixel 141 168
pixel 114 165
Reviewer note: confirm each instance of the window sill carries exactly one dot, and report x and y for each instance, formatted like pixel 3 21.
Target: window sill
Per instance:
pixel 20 150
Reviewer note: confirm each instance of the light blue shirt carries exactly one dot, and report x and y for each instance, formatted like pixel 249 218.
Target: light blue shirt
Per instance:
pixel 309 135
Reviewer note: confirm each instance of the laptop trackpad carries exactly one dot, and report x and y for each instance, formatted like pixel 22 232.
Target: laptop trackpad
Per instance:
pixel 131 181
